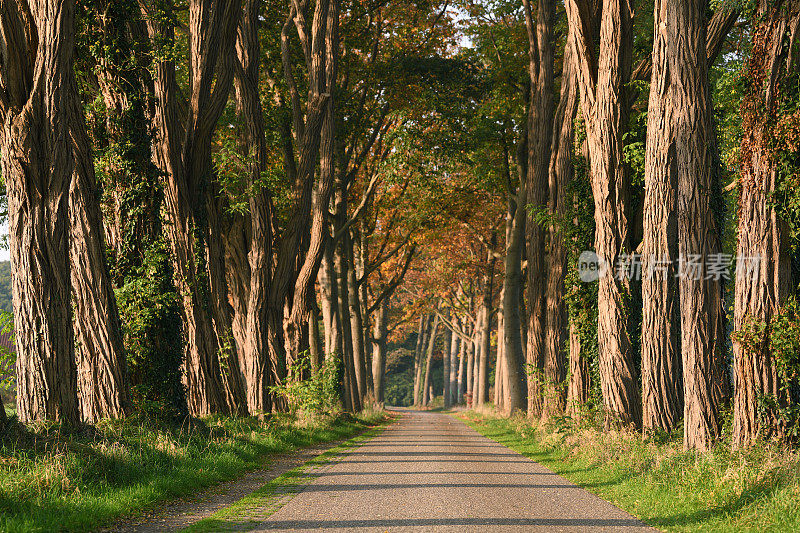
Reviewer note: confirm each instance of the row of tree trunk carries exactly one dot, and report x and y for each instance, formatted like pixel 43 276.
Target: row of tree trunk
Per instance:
pixel 683 373
pixel 246 282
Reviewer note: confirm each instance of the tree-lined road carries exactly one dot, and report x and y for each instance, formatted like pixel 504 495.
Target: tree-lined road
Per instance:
pixel 430 472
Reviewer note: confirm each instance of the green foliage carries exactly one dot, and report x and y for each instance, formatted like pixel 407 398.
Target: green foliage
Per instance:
pixel 633 149
pixel 400 377
pixel 784 339
pixel 786 151
pixel 312 393
pixel 779 411
pixel 7 357
pixel 6 304
pixel 150 309
pixel 581 297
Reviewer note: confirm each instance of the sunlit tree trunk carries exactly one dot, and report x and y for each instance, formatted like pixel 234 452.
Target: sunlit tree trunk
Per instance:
pixel 579 377
pixel 464 361
pixel 427 386
pixel 37 164
pixel 698 234
pixel 260 232
pixel 314 339
pixel 662 387
pixel 356 322
pixel 500 370
pixel 560 175
pixel 328 296
pixel 449 337
pixel 510 327
pixel 481 389
pixel 763 276
pixel 604 104
pixel 183 153
pixel 455 349
pixel 424 324
pixel 379 350
pixel 341 267
pixel 470 369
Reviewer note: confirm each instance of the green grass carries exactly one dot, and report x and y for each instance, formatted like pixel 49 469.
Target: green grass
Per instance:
pixel 53 482
pixel 265 501
pixel 658 482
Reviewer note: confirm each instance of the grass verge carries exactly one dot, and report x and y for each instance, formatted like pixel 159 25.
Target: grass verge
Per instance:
pixel 55 482
pixel 257 506
pixel 658 482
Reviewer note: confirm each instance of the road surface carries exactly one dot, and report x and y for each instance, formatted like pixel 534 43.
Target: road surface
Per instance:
pixel 430 472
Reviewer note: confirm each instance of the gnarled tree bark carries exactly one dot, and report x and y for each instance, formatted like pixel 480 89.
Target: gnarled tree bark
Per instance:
pixel 602 78
pixel 763 286
pixel 36 95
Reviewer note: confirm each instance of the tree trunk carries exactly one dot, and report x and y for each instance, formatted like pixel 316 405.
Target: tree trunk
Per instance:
pixel 579 376
pixel 102 376
pixel 455 348
pixel 500 370
pixel 183 154
pixel 604 105
pixel 476 373
pixel 662 390
pixel 328 297
pixel 484 334
pixel 464 362
pixel 341 267
pixel 314 340
pixel 379 350
pixel 561 173
pixel 427 385
pixel 304 241
pixel 356 323
pixel 447 345
pixel 763 275
pixel 513 355
pixel 425 323
pixel 255 349
pixel 698 234
pixel 37 165
pixel 470 372
pixel 541 56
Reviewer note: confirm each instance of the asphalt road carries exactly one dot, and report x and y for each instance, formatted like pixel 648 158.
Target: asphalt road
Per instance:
pixel 431 472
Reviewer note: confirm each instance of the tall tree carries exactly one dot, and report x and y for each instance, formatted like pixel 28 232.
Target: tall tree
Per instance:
pixel 698 233
pixel 541 53
pixel 602 77
pixel 37 99
pixel 662 387
pixel 662 391
pixel 763 231
pixel 132 196
pixel 183 153
pixel 102 375
pixel 560 177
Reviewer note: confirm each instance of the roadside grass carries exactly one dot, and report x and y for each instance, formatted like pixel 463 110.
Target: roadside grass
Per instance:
pixel 262 503
pixel 51 481
pixel 657 481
